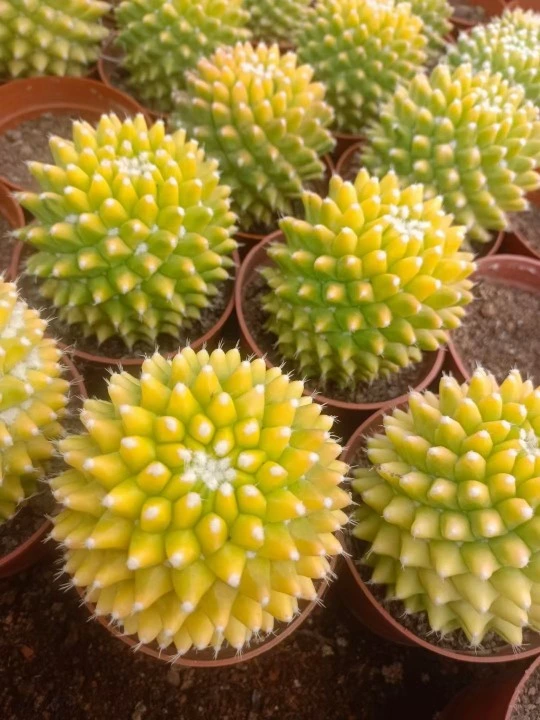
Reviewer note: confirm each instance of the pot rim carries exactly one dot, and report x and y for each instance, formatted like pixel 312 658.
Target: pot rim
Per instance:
pixel 520 687
pixel 11 211
pixel 517 234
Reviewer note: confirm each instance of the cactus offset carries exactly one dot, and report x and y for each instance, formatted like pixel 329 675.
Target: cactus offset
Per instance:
pixel 361 50
pixel 509 44
pixel 435 15
pixel 32 399
pixel 277 20
pixel 450 506
pixel 201 504
pixel 50 37
pixel 371 278
pixel 162 39
pixel 470 137
pixel 259 113
pixel 133 229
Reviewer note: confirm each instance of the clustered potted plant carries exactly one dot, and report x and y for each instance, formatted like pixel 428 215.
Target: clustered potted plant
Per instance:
pixel 202 504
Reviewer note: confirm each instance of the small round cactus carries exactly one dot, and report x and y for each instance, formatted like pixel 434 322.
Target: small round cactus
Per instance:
pixel 277 20
pixel 450 506
pixel 259 113
pixel 470 137
pixel 133 229
pixel 368 280
pixel 201 505
pixel 32 399
pixel 435 15
pixel 164 38
pixel 47 37
pixel 509 44
pixel 361 50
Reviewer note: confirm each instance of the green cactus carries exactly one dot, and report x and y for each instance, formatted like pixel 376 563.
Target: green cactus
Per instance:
pixel 277 20
pixel 361 50
pixel 449 506
pixel 201 504
pixel 133 229
pixel 470 137
pixel 32 399
pixel 50 37
pixel 265 121
pixel 435 15
pixel 162 39
pixel 368 281
pixel 509 44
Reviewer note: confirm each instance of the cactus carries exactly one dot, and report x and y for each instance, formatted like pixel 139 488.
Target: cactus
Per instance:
pixel 277 20
pixel 133 229
pixel 50 37
pixel 265 121
pixel 361 50
pixel 509 44
pixel 201 504
pixel 32 399
pixel 162 39
pixel 435 15
pixel 368 281
pixel 449 506
pixel 470 137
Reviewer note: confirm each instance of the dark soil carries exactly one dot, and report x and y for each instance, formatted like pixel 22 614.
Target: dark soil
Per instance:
pixel 7 243
pixel 500 330
pixel 30 141
pixel 528 704
pixel 527 224
pixel 385 388
pixel 465 10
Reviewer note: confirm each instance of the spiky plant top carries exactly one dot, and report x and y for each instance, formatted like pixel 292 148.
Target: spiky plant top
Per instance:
pixel 162 39
pixel 50 37
pixel 201 504
pixel 32 399
pixel 133 229
pixel 371 278
pixel 361 49
pixel 278 20
pixel 261 115
pixel 509 44
pixel 470 137
pixel 435 15
pixel 450 506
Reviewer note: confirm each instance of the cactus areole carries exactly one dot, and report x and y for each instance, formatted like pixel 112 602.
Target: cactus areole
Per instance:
pixel 201 505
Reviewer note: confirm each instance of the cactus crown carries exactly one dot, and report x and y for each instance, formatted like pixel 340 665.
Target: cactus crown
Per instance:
pixel 470 137
pixel 368 280
pixel 277 20
pixel 133 229
pixel 509 44
pixel 450 506
pixel 32 399
pixel 263 118
pixel 50 37
pixel 435 15
pixel 361 50
pixel 201 504
pixel 164 38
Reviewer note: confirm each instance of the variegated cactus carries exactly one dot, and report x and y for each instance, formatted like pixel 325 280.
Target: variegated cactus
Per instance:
pixel 200 506
pixel 277 20
pixel 450 506
pixel 435 15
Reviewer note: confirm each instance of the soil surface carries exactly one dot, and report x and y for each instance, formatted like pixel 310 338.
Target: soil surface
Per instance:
pixel 30 141
pixel 379 390
pixel 527 224
pixel 7 243
pixel 464 10
pixel 500 330
pixel 528 704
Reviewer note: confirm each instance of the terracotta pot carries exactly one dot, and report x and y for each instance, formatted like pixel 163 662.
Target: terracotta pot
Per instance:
pixel 515 242
pixel 372 614
pixel 513 270
pixel 525 4
pixel 12 212
pixel 492 8
pixel 103 361
pixel 22 100
pixel 32 549
pixel 349 414
pixel 228 656
pixel 344 141
pixel 493 699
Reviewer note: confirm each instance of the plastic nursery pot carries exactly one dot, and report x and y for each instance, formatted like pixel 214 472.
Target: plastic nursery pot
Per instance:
pixel 227 656
pixel 210 338
pixel 11 211
pixel 26 99
pixel 515 241
pixel 513 270
pixel 493 699
pixel 365 606
pixel 32 549
pixel 491 9
pixel 348 413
